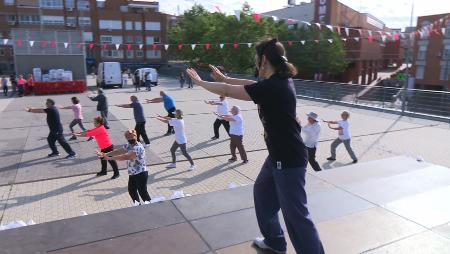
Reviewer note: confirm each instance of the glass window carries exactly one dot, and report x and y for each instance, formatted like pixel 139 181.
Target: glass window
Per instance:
pixel 422 54
pixel 149 40
pixel 154 54
pixel 152 26
pixel 124 8
pixel 53 20
pixel 420 70
pixel 129 25
pixel 129 38
pixel 2 51
pixel 70 4
pixel 12 18
pixel 110 24
pixel 445 72
pixel 51 4
pixel 108 53
pixel 137 25
pixel 9 2
pixel 29 19
pixel 139 53
pixel 111 39
pixel 446 53
pixel 83 5
pixel 101 4
pixel 71 21
pixel 138 39
pixel 88 36
pixel 84 21
pixel 130 54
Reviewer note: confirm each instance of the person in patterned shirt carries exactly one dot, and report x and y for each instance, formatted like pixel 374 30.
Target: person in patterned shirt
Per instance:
pixel 134 153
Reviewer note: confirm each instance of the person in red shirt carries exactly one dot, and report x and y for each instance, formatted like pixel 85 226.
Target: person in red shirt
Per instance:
pixel 21 82
pixel 104 143
pixel 30 83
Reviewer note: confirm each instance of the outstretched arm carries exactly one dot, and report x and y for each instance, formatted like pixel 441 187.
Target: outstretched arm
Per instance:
pixel 62 107
pixel 35 110
pixel 155 100
pixel 81 134
pixel 220 77
pixel 131 155
pixel 163 119
pixel 124 105
pixel 115 152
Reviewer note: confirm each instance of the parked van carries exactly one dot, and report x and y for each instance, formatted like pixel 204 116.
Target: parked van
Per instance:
pixel 109 74
pixel 140 74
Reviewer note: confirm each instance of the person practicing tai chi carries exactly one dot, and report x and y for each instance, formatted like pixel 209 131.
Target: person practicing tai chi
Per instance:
pixel 281 182
pixel 134 154
pixel 102 105
pixel 78 117
pixel 344 136
pixel 139 117
pixel 311 133
pixel 169 105
pixel 236 133
pixel 104 143
pixel 56 129
pixel 222 109
pixel 180 138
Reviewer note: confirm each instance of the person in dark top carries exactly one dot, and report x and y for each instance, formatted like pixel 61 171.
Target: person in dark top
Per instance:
pixel 102 105
pixel 139 117
pixel 169 106
pixel 281 182
pixel 56 129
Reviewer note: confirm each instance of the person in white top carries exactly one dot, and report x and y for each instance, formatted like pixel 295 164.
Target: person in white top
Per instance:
pixel 344 136
pixel 311 133
pixel 180 137
pixel 222 109
pixel 236 133
pixel 148 81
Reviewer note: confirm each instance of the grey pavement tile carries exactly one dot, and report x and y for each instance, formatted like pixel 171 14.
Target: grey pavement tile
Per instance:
pixel 366 230
pixel 90 228
pixel 428 208
pixel 228 229
pixel 424 243
pixel 175 239
pixel 215 203
pixel 443 230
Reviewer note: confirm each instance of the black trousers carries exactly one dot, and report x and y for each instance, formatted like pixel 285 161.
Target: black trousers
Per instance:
pixel 112 163
pixel 170 113
pixel 217 125
pixel 53 137
pixel 5 90
pixel 312 159
pixel 21 90
pixel 137 186
pixel 140 131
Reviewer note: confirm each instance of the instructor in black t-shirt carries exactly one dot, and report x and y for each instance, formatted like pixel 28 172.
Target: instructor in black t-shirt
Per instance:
pixel 281 182
pixel 56 129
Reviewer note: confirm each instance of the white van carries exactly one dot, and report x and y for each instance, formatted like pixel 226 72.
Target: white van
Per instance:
pixel 140 73
pixel 109 74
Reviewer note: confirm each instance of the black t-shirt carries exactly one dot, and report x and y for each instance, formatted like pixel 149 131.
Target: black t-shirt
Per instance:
pixel 277 110
pixel 53 120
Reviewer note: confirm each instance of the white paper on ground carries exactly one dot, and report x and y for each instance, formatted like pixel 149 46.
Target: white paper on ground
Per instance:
pixel 31 222
pixel 157 199
pixel 232 185
pixel 177 194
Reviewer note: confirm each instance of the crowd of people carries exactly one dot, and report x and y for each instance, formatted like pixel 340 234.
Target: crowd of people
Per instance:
pixel 19 84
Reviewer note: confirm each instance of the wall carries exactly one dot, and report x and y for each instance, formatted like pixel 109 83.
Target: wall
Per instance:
pixel 74 63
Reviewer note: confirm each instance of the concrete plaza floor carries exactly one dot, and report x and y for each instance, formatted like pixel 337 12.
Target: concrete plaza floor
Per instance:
pixel 47 189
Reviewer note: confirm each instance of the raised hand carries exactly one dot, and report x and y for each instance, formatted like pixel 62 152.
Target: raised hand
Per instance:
pixel 217 74
pixel 194 75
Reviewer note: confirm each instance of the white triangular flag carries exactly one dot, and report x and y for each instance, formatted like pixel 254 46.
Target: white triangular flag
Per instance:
pixel 249 44
pixel 66 44
pixel 140 46
pixel 317 24
pixel 383 38
pixel 347 31
pixel 237 13
pixel 343 39
pixel 275 18
pixel 330 40
pixel 84 213
pixel 330 27
pixel 31 43
pixel 302 42
pixel 5 41
pixel 443 31
pixel 166 46
pixel 356 39
pixel 193 46
pixel 307 23
pixel 221 45
pixel 403 35
pixel 117 46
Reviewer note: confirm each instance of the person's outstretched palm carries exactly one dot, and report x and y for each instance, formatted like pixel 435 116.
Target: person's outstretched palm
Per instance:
pixel 217 74
pixel 194 75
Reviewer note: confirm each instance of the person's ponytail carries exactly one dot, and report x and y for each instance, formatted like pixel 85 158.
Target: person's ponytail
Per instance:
pixel 275 54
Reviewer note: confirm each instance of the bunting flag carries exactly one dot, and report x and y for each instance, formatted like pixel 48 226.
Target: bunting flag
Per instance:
pixel 275 18
pixel 306 23
pixel 396 37
pixel 370 38
pixel 54 44
pixel 302 42
pixel 91 45
pixel 235 45
pixel 154 46
pixel 193 46
pixel 344 39
pixel 237 13
pixel 5 41
pixel 356 39
pixel 44 44
pixel 207 46
pixel 79 45
pixel 290 43
pixel 141 46
pixel 129 46
pixel 249 44
pixel 31 43
pixel 370 33
pixel 66 44
pixel 318 25
pixel 291 22
pixel 105 46
pixel 338 29
pixel 347 31
pixel 256 17
pixel 330 40
pixel 180 46
pixel 330 27
pixel 166 46
pixel 221 45
pixel 117 46
pixel 317 41
pixel 360 32
pixel 383 38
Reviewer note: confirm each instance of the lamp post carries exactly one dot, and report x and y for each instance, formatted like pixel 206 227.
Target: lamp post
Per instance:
pixel 409 54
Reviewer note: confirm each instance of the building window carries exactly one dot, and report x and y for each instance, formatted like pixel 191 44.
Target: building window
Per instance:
pixel 130 54
pixel 138 39
pixel 88 36
pixel 446 53
pixel 154 54
pixel 2 51
pixel 83 5
pixel 445 71
pixel 51 4
pixel 101 4
pixel 128 38
pixel 420 70
pixel 152 26
pixel 9 2
pixel 139 53
pixel 124 8
pixel 129 25
pixel 422 54
pixel 30 19
pixel 12 19
pixel 110 24
pixel 84 21
pixel 107 53
pixel 71 21
pixel 53 20
pixel 137 25
pixel 111 39
pixel 70 4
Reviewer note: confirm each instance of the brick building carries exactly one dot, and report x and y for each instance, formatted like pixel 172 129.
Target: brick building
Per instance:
pixel 431 55
pixel 101 22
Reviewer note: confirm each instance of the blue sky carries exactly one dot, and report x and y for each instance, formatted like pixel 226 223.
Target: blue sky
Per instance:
pixel 395 13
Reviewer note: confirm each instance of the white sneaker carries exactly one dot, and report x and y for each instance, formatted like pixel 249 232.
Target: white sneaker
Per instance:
pixel 259 242
pixel 192 167
pixel 147 145
pixel 171 165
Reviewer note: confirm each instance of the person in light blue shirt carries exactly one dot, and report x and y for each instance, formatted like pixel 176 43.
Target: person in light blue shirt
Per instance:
pixel 169 106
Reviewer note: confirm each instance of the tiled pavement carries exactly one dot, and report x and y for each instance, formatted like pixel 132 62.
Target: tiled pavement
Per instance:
pixel 34 187
pixel 407 213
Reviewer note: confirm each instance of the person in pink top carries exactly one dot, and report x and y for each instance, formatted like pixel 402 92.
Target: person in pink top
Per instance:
pixel 104 143
pixel 21 82
pixel 78 117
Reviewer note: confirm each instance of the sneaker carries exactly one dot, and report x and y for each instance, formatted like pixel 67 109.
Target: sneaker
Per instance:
pixel 171 165
pixel 245 162
pixel 73 138
pixel 259 242
pixel 214 138
pixel 90 138
pixel 107 127
pixel 147 145
pixel 355 161
pixel 167 134
pixel 331 159
pixel 232 160
pixel 101 173
pixel 53 154
pixel 71 156
pixel 192 167
pixel 115 177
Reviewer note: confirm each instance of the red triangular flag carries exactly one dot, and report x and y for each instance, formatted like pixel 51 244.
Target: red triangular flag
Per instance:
pixel 44 44
pixel 78 45
pixel 370 38
pixel 290 43
pixel 105 45
pixel 256 17
pixel 91 45
pixel 19 42
pixel 207 46
pixel 235 45
pixel 396 37
pixel 53 44
pixel 129 46
pixel 154 46
pixel 180 46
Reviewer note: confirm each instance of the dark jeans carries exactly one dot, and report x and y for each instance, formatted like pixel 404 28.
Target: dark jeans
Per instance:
pixel 312 159
pixel 236 142
pixel 5 90
pixel 170 113
pixel 285 188
pixel 104 115
pixel 217 125
pixel 148 85
pixel 174 148
pixel 20 90
pixel 190 83
pixel 75 122
pixel 138 85
pixel 137 185
pixel 140 131
pixel 112 163
pixel 53 137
